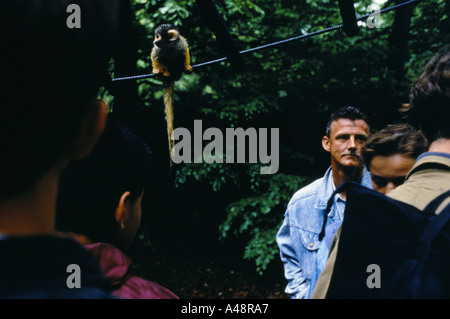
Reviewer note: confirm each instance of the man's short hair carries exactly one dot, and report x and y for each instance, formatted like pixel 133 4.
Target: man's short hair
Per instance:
pixel 50 75
pixel 346 112
pixel 429 108
pixel 394 139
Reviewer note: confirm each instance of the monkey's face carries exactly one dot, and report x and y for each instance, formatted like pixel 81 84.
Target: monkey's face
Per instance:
pixel 165 37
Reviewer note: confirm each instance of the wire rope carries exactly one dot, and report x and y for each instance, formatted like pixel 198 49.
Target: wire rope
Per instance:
pixel 281 42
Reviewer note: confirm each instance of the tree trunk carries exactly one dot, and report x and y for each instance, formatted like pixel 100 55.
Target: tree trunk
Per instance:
pixel 397 87
pixel 126 99
pixel 398 41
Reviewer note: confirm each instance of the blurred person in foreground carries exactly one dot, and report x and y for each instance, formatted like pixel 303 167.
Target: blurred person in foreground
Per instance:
pixel 49 116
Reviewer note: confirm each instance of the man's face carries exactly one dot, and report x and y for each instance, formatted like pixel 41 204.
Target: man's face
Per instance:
pixel 345 142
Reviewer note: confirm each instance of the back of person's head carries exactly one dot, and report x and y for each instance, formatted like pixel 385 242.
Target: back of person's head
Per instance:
pixel 90 189
pixel 429 107
pixel 346 112
pixel 51 74
pixel 394 139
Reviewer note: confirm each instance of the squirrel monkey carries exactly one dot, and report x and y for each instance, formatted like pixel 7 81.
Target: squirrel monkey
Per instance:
pixel 170 59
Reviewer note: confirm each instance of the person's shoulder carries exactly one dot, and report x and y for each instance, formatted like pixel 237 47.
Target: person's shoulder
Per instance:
pixel 307 192
pixel 55 262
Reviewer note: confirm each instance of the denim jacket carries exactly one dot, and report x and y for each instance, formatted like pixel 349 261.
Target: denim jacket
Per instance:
pixel 298 236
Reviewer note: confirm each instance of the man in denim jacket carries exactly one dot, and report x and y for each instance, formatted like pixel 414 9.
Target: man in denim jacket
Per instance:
pixel 302 253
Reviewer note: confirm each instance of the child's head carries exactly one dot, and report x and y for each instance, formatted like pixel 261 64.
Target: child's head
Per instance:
pixel 100 196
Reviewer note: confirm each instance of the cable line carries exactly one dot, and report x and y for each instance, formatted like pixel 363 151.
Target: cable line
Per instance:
pixel 281 42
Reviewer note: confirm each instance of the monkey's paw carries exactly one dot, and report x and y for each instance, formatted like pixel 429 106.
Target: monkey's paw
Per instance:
pixel 188 69
pixel 161 73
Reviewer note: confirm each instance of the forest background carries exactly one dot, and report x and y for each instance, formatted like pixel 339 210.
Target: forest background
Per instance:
pixel 208 230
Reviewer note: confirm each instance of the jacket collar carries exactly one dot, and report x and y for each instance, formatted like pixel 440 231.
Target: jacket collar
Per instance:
pixel 430 158
pixel 112 261
pixel 327 188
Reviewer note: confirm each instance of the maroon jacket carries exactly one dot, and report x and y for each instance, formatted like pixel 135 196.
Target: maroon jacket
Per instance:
pixel 115 265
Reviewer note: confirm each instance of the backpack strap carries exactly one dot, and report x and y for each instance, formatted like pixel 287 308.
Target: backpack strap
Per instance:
pixel 434 204
pixel 341 188
pixel 436 222
pixel 430 231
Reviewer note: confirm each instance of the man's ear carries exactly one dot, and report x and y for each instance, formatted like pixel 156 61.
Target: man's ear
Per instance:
pixel 326 143
pixel 91 129
pixel 173 34
pixel 122 209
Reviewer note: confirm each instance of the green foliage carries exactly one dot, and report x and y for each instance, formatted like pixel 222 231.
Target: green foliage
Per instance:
pixel 291 87
pixel 260 215
pixel 215 173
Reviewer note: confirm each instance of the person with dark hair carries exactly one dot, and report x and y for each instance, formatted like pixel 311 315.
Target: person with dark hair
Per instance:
pixel 429 112
pixel 99 204
pixel 298 236
pixel 390 154
pixel 49 116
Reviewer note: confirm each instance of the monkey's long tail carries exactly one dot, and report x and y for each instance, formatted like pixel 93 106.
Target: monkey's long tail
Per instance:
pixel 168 110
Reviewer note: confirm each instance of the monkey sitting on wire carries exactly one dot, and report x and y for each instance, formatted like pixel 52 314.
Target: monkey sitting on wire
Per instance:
pixel 170 59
